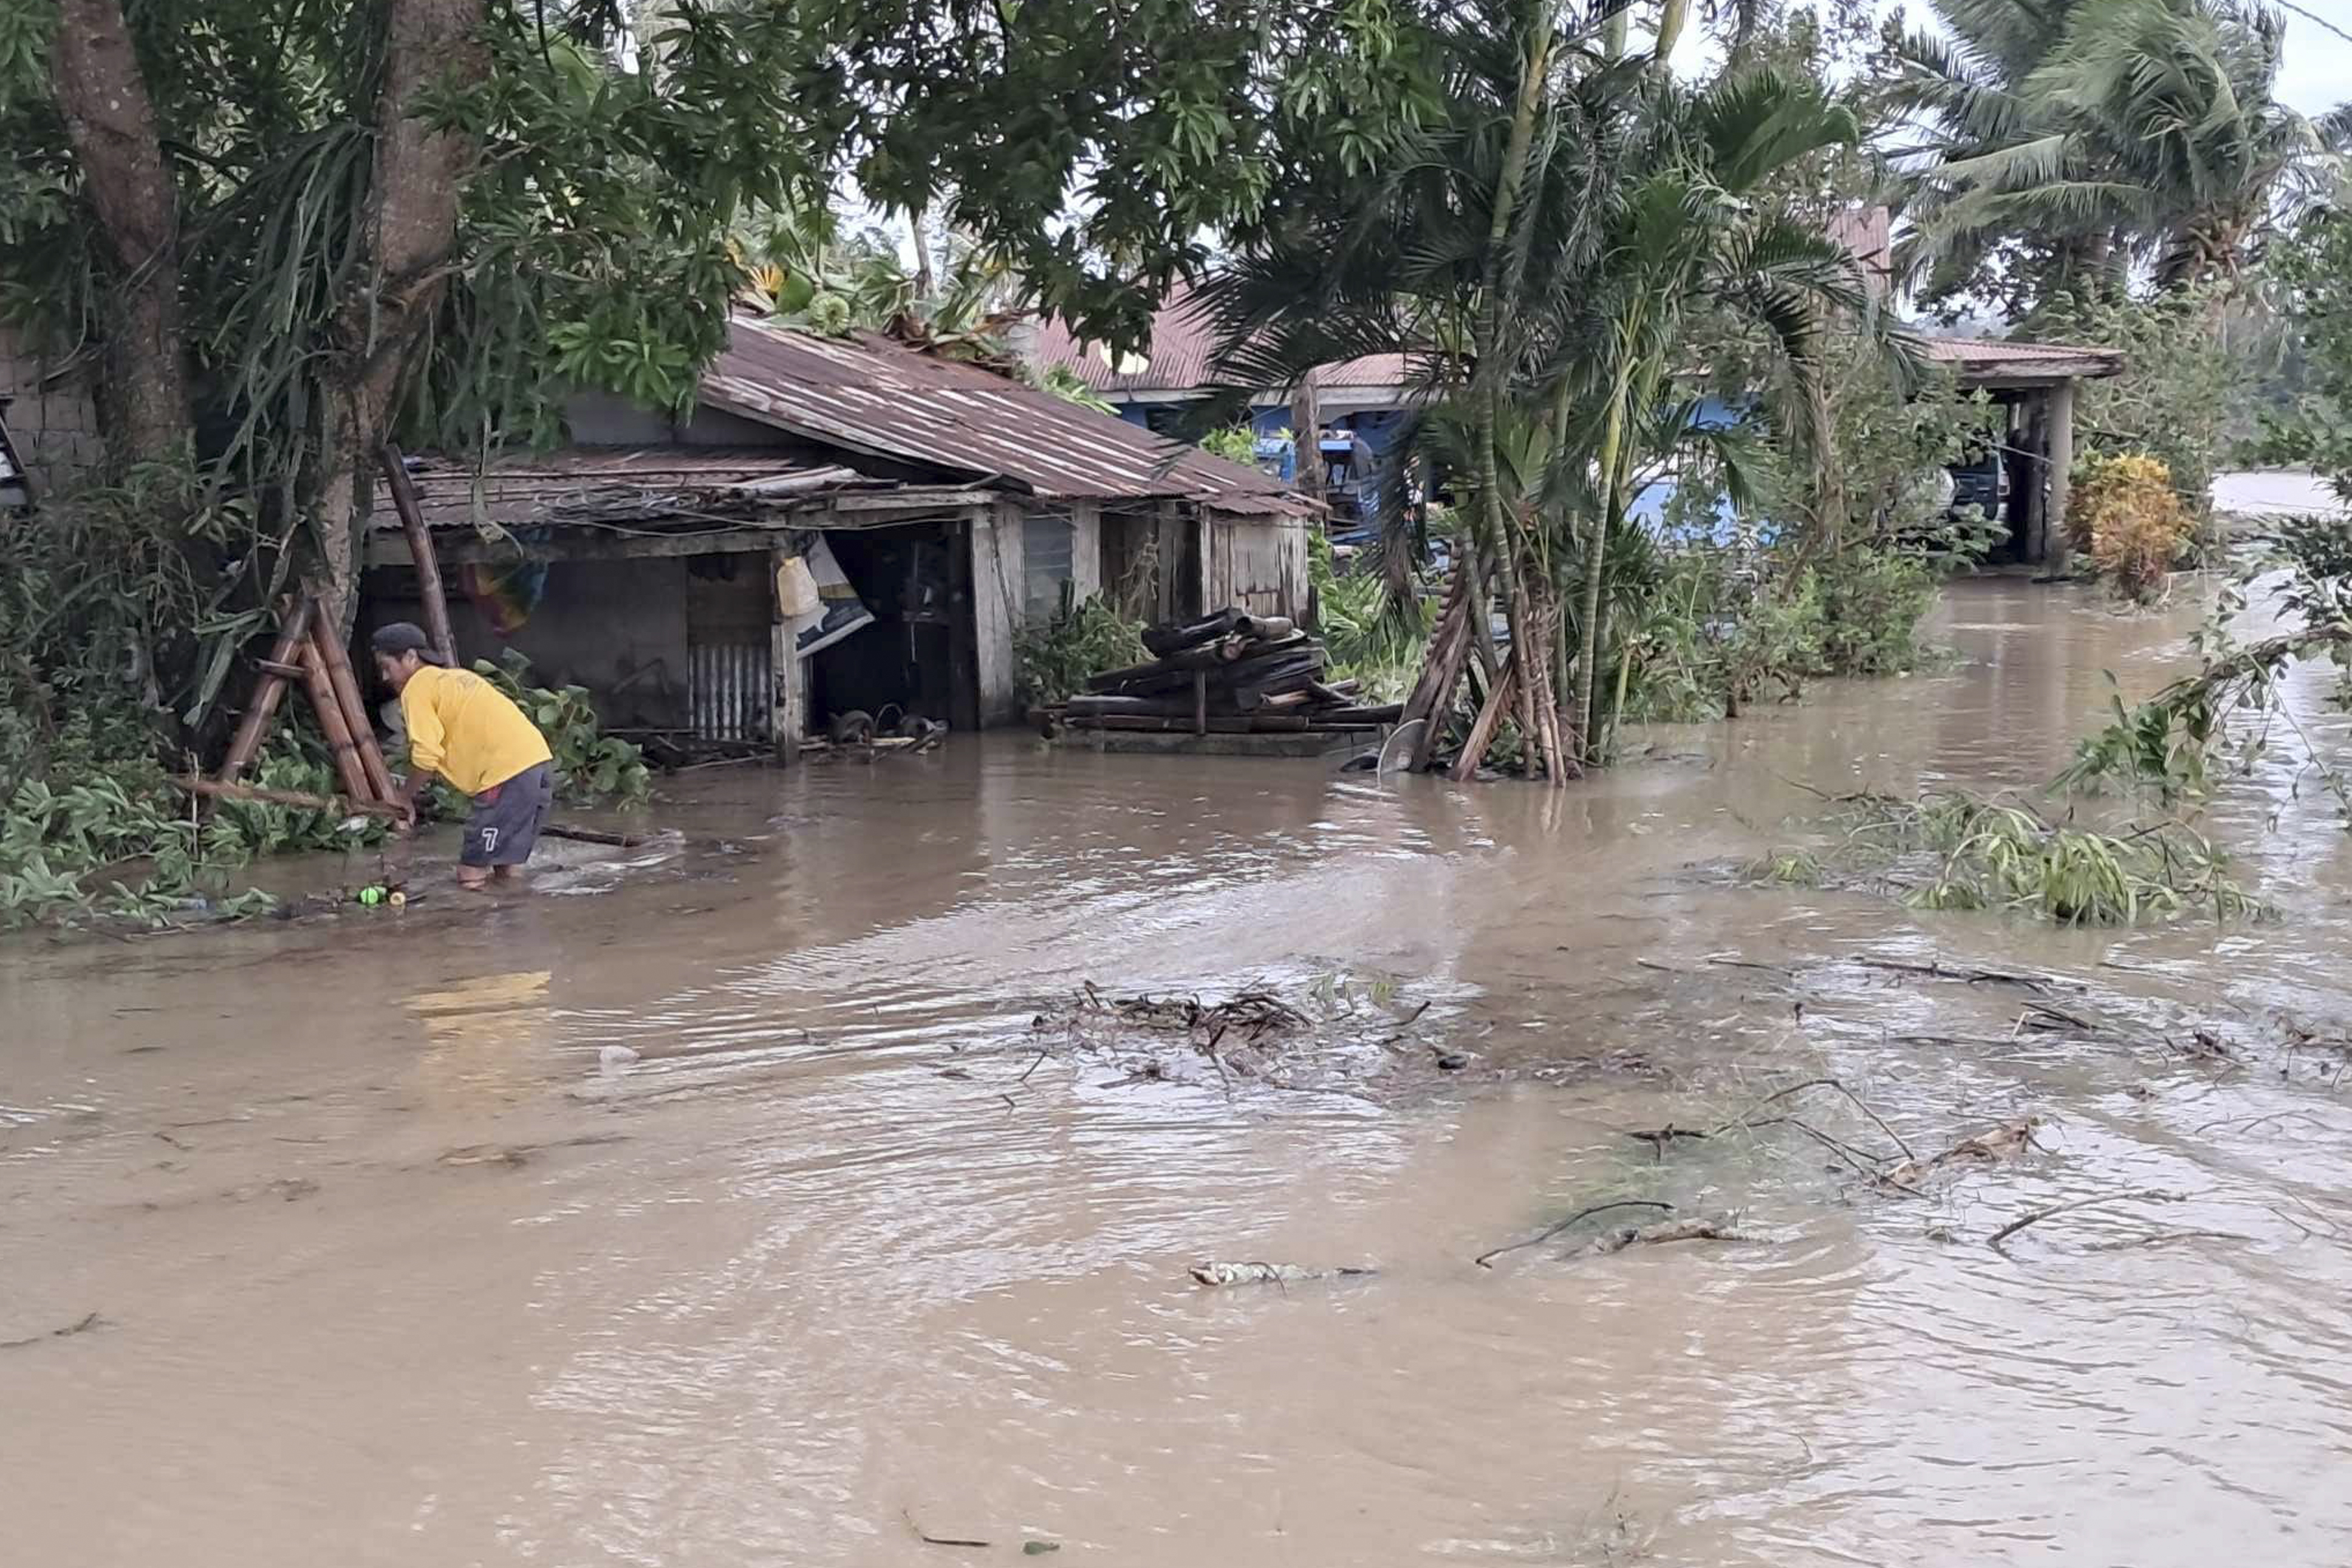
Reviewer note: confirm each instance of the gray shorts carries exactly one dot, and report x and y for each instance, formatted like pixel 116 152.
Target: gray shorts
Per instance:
pixel 507 818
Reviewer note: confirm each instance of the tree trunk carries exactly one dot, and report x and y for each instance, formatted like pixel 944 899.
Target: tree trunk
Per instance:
pixel 408 232
pixel 109 119
pixel 1306 434
pixel 927 282
pixel 1829 475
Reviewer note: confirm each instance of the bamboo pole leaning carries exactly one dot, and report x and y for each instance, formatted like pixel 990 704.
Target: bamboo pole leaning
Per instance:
pixel 420 551
pixel 345 686
pixel 254 728
pixel 347 766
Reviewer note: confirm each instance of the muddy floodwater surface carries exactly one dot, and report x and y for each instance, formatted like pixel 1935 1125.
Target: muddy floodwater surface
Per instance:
pixel 741 1212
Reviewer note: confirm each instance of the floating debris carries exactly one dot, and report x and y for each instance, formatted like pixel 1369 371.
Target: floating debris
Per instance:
pixel 1223 1274
pixel 1695 1227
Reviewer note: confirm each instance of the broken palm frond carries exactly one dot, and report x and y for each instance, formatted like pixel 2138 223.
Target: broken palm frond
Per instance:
pixel 1692 1229
pixel 1223 1274
pixel 1949 850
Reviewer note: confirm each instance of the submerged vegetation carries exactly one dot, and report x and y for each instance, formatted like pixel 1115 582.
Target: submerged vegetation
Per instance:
pixel 1952 851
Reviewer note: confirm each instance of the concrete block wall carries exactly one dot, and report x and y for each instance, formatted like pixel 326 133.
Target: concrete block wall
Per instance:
pixel 52 419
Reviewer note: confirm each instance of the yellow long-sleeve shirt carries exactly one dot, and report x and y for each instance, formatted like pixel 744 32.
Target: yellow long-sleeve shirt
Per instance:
pixel 465 730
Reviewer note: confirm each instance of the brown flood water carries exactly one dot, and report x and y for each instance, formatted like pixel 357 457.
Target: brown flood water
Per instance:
pixel 398 1261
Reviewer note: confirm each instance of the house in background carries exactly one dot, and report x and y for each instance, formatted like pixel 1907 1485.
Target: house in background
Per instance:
pixel 941 505
pixel 1364 403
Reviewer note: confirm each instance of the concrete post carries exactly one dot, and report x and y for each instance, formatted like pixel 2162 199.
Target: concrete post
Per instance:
pixel 2037 472
pixel 2061 467
pixel 788 704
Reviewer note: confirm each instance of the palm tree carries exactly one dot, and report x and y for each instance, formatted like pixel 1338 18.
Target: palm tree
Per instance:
pixel 2066 138
pixel 1543 244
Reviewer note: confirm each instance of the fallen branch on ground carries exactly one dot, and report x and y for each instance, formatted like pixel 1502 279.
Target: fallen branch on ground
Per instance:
pixel 927 1538
pixel 2004 1142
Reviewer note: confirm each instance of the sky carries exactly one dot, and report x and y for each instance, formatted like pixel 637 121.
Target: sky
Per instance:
pixel 2318 73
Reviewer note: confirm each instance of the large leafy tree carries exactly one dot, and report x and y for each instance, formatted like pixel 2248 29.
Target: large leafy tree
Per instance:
pixel 285 230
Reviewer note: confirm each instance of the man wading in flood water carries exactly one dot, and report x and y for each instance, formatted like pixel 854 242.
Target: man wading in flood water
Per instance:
pixel 464 728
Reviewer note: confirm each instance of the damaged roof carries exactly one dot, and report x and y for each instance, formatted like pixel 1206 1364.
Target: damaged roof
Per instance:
pixel 866 393
pixel 587 485
pixel 1979 361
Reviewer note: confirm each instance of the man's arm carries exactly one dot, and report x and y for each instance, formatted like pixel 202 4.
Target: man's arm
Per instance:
pixel 412 789
pixel 426 739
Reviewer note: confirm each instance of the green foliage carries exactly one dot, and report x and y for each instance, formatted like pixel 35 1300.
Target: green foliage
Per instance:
pixel 1954 851
pixel 590 766
pixel 2166 744
pixel 1052 657
pixel 2074 136
pixel 117 844
pixel 2183 377
pixel 1872 602
pixel 2312 271
pixel 1068 385
pixel 1368 635
pixel 1233 443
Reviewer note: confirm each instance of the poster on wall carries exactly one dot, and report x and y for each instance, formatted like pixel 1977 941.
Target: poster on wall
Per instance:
pixel 839 610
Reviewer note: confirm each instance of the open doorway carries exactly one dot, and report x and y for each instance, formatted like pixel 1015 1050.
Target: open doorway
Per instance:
pixel 916 658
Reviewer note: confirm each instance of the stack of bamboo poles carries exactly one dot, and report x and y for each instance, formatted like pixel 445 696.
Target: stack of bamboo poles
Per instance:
pixel 309 655
pixel 1227 673
pixel 309 652
pixel 1520 689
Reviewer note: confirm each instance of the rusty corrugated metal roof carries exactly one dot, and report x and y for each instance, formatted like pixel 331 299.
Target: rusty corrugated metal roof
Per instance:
pixel 867 394
pixel 1979 361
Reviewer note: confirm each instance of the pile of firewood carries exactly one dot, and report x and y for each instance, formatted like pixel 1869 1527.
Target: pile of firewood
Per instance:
pixel 1231 672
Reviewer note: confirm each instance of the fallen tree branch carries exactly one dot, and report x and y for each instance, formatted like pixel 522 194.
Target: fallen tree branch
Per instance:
pixel 1776 1095
pixel 927 1538
pixel 2146 1195
pixel 1938 971
pixel 1694 1228
pixel 84 1327
pixel 1486 1260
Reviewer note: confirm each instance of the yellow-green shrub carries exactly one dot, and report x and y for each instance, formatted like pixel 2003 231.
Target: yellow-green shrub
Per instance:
pixel 2126 516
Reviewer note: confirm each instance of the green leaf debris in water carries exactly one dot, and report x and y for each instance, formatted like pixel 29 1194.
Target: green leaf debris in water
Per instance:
pixel 1039 1548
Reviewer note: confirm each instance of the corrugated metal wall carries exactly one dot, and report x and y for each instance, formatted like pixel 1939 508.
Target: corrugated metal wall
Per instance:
pixel 730 649
pixel 731 691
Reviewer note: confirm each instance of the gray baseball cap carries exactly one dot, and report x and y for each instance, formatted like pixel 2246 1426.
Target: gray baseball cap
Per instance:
pixel 404 637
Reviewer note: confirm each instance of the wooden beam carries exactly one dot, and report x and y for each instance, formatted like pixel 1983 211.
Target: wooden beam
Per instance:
pixel 392 550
